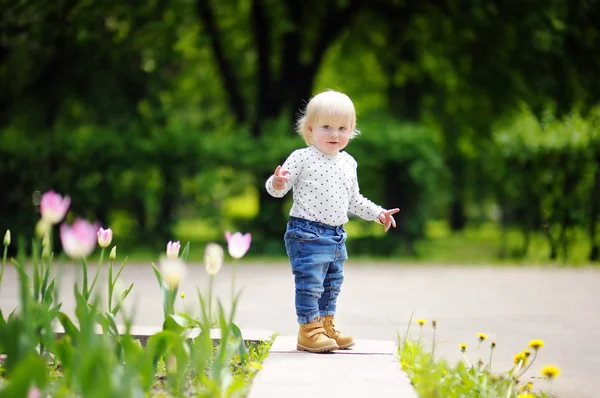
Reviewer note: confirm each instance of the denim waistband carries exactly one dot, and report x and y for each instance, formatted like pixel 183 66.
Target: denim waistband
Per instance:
pixel 315 224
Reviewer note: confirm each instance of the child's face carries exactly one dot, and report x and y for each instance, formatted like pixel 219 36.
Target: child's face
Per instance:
pixel 330 137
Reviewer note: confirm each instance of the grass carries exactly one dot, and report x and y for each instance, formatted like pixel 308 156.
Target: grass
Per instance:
pixel 482 245
pixel 475 245
pixel 438 378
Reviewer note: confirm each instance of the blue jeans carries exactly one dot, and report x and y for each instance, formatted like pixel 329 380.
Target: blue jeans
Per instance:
pixel 317 252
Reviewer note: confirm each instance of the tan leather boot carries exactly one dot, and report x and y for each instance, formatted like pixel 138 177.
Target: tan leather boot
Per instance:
pixel 312 338
pixel 331 331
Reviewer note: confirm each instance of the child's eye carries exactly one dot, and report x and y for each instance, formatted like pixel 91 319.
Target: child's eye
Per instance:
pixel 326 127
pixel 342 128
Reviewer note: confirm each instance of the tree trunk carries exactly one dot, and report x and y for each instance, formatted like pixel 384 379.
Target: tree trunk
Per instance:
pixel 594 213
pixel 457 216
pixel 234 96
pixel 397 183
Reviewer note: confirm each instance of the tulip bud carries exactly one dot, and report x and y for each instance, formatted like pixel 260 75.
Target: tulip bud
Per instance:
pixel 42 228
pixel 7 238
pixel 213 258
pixel 173 249
pixel 104 237
pixel 113 253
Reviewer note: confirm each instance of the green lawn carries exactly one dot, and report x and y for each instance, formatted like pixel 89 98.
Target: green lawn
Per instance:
pixel 475 245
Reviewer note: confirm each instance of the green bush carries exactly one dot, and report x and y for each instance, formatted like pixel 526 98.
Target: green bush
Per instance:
pixel 543 170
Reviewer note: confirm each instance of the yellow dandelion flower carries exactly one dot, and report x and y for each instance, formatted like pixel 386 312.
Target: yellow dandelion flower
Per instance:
pixel 519 357
pixel 529 386
pixel 182 294
pixel 493 344
pixel 536 344
pixel 550 371
pixel 421 322
pixel 526 395
pixel 482 336
pixel 463 347
pixel 434 323
pixel 527 353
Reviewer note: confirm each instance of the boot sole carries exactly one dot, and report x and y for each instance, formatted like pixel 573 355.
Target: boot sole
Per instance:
pixel 343 347
pixel 328 348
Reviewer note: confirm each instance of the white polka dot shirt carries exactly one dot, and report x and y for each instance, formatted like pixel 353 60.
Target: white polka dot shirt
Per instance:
pixel 325 188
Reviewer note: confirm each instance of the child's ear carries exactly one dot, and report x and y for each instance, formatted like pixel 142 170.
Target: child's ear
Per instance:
pixel 310 129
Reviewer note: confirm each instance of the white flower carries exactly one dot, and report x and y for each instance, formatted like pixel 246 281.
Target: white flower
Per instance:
pixel 213 258
pixel 173 270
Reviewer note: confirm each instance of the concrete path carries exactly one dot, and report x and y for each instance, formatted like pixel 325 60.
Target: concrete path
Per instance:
pixel 368 368
pixel 512 305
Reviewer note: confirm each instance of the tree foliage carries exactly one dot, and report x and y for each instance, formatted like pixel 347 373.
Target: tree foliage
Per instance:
pixel 158 106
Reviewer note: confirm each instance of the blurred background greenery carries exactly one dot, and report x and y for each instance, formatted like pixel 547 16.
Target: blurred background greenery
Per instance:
pixel 163 118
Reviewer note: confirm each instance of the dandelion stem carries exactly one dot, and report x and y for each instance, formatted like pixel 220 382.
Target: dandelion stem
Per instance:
pixel 433 345
pixel 529 365
pixel 466 361
pixel 491 355
pixel 511 379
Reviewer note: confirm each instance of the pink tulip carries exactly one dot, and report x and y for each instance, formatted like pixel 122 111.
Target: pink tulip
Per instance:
pixel 238 244
pixel 104 237
pixel 79 241
pixel 53 207
pixel 173 249
pixel 34 392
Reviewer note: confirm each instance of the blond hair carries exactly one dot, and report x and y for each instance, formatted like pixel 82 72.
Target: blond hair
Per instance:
pixel 330 107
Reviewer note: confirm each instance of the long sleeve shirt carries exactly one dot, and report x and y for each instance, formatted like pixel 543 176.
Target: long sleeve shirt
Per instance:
pixel 325 188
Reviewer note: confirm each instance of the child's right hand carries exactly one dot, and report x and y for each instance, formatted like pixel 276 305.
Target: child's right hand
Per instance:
pixel 279 178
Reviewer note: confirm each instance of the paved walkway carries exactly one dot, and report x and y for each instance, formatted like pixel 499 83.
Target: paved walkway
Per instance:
pixel 511 305
pixel 368 368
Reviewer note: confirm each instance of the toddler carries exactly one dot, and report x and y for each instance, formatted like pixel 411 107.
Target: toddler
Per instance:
pixel 325 189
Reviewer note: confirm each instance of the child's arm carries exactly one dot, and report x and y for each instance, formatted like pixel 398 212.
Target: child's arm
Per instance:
pixel 386 218
pixel 368 210
pixel 285 176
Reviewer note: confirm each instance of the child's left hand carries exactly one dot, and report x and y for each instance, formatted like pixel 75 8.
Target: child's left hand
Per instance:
pixel 386 218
